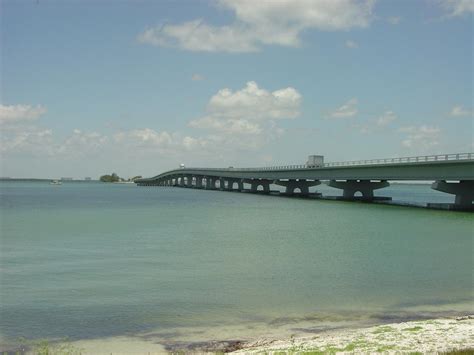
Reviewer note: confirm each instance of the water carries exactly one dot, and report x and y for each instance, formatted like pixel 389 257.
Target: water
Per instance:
pixel 92 261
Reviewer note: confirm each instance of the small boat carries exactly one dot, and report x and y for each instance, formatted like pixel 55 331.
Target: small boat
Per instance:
pixel 55 182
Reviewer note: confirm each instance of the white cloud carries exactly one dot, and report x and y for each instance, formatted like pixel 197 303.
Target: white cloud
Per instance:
pixel 349 109
pixel 82 143
pixel 198 36
pixel 151 137
pixel 420 137
pixel 197 77
pixel 238 120
pixel 459 111
pixel 150 140
pixel 20 113
pixel 231 126
pixel 454 8
pixel 352 44
pixel 246 118
pixel 254 103
pixel 40 141
pixel 30 140
pixel 249 110
pixel 386 118
pixel 260 23
pixel 376 124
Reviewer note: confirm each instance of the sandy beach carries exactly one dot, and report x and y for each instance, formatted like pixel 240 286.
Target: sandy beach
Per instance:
pixel 427 336
pixel 441 335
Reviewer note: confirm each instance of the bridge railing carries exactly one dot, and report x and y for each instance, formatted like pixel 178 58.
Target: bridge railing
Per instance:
pixel 417 159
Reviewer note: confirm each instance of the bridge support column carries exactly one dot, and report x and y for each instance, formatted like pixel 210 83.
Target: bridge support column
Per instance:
pixel 189 181
pixel 210 183
pixel 222 184
pixel 301 184
pixel 255 183
pixel 181 181
pixel 365 187
pixel 230 184
pixel 199 182
pixel 464 191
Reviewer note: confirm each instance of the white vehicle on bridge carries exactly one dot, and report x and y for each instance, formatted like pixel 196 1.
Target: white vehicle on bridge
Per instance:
pixel 315 161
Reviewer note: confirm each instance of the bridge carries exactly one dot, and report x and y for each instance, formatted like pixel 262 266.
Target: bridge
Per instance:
pixel 450 173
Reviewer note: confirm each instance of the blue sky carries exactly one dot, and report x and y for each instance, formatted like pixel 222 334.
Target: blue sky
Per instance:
pixel 138 87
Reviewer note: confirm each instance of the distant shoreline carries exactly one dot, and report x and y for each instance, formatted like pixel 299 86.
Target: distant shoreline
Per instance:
pixel 97 180
pixel 45 179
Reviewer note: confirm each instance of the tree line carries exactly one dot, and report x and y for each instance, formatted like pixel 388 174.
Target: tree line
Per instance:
pixel 115 178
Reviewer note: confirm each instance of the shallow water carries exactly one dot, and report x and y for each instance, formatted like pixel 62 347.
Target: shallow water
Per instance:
pixel 91 261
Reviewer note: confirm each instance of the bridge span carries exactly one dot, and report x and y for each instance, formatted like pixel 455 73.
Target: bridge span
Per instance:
pixel 450 173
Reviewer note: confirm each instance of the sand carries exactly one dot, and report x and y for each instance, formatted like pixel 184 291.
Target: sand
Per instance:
pixel 422 336
pixel 427 336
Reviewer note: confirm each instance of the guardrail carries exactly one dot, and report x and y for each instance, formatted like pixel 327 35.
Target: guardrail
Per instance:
pixel 418 159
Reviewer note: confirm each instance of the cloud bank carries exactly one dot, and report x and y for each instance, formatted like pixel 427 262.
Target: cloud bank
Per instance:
pixel 20 113
pixel 244 119
pixel 259 23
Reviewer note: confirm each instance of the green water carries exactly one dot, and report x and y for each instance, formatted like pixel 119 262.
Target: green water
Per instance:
pixel 91 260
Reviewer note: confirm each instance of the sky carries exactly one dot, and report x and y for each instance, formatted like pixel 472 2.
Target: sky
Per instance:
pixel 138 87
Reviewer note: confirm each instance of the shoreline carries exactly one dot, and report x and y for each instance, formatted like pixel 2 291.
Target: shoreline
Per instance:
pixel 424 336
pixel 437 335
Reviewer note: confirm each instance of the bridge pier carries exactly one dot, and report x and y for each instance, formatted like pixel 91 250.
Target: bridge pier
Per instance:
pixel 293 184
pixel 198 182
pixel 189 181
pixel 365 187
pixel 230 184
pixel 210 183
pixel 464 191
pixel 221 184
pixel 255 183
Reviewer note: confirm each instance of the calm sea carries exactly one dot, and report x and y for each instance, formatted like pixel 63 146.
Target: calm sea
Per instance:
pixel 91 261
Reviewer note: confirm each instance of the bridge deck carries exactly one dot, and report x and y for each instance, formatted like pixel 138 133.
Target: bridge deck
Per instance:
pixel 442 167
pixel 351 178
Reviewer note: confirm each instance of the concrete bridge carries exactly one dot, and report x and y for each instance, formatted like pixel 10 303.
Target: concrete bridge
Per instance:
pixel 450 173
